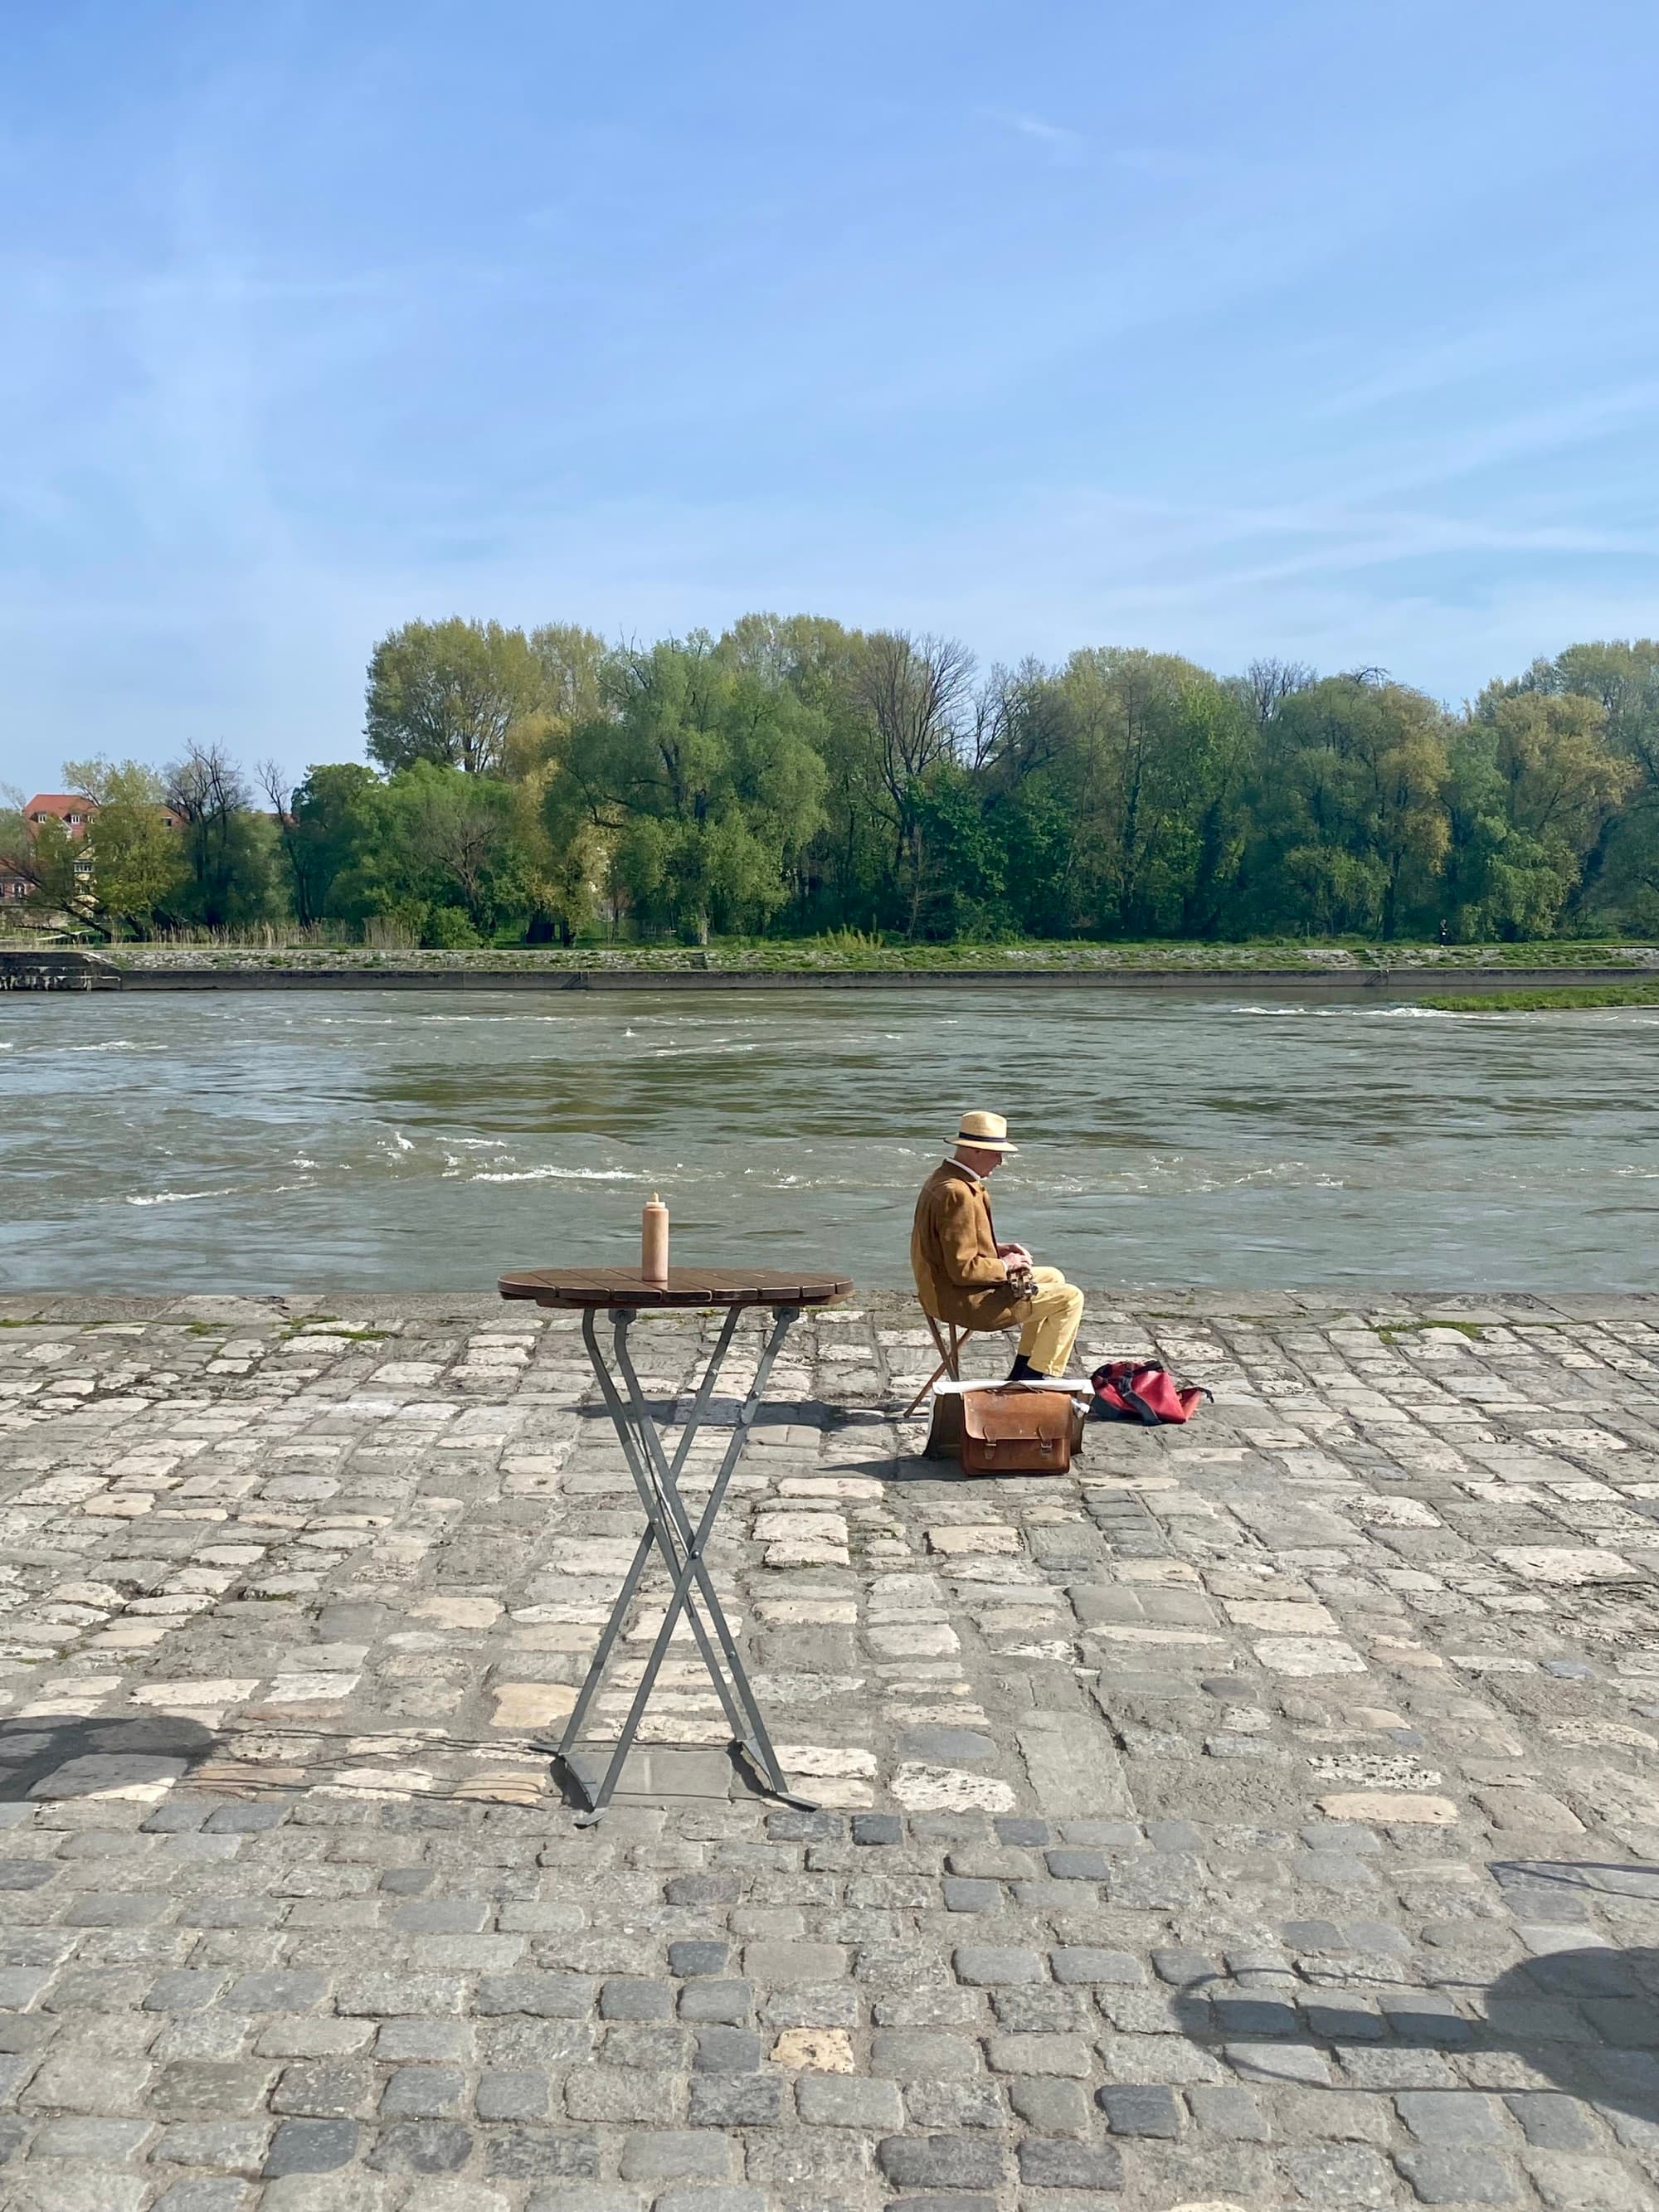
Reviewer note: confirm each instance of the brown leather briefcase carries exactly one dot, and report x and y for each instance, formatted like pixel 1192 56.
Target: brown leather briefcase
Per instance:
pixel 1018 1431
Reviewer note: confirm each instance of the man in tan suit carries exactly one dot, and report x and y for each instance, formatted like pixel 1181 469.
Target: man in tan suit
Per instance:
pixel 964 1275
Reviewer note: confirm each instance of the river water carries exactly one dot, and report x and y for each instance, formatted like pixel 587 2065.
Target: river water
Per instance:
pixel 428 1140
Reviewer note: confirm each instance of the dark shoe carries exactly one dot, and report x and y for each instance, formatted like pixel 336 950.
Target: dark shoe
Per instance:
pixel 1023 1372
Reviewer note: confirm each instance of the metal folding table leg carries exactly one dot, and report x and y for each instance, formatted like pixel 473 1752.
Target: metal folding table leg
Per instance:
pixel 653 1537
pixel 669 1529
pixel 756 1743
pixel 660 1533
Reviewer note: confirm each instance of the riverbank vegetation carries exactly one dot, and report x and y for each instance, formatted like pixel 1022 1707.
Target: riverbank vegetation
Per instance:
pixel 1547 998
pixel 795 781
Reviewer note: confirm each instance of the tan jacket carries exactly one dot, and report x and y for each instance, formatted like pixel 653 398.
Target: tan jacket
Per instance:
pixel 953 1253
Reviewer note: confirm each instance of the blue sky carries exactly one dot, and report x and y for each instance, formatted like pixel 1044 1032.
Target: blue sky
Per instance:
pixel 1222 329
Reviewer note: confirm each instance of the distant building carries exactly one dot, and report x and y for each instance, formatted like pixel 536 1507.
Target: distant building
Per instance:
pixel 15 886
pixel 72 808
pixel 19 893
pixel 77 813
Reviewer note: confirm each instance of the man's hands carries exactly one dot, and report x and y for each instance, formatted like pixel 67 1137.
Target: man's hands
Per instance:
pixel 1018 1260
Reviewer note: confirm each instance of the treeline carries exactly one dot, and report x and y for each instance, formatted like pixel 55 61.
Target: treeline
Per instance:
pixel 793 776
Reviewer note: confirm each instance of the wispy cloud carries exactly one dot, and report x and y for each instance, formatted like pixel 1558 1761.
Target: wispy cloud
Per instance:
pixel 1526 435
pixel 1425 368
pixel 1064 145
pixel 315 328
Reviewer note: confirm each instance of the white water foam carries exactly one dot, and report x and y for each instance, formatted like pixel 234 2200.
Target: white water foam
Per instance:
pixel 116 1044
pixel 1288 1012
pixel 178 1197
pixel 558 1175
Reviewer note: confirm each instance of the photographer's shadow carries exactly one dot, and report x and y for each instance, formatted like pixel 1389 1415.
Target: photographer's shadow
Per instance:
pixel 64 1756
pixel 1583 2018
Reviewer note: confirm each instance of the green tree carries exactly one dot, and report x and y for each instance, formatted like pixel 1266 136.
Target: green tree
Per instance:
pixel 1046 859
pixel 448 838
pixel 53 852
pixel 705 781
pixel 1218 750
pixel 14 835
pixel 138 863
pixel 965 858
pixel 1621 871
pixel 331 834
pixel 811 655
pixel 1155 767
pixel 1621 868
pixel 564 881
pixel 432 848
pixel 912 698
pixel 1350 818
pixel 797 774
pixel 1563 782
pixel 1622 675
pixel 559 882
pixel 574 666
pixel 463 695
pixel 228 849
pixel 1532 791
pixel 842 874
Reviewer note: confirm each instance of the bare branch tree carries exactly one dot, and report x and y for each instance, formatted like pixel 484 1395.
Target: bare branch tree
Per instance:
pixel 1020 722
pixel 207 793
pixel 914 691
pixel 277 790
pixel 996 709
pixel 1269 684
pixel 206 786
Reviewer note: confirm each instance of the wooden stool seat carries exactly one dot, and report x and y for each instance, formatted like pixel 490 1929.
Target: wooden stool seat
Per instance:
pixel 949 1347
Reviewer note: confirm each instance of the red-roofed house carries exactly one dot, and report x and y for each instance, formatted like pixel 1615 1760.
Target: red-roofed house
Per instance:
pixel 76 813
pixel 71 808
pixel 75 810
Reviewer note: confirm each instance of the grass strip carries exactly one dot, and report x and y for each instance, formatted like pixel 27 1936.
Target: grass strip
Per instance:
pixel 1547 998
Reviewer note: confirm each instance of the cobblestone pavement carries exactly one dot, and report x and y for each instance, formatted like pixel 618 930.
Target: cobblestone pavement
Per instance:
pixel 1266 1814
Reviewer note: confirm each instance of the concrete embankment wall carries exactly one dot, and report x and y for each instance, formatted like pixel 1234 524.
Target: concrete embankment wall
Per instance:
pixel 55 971
pixel 61 971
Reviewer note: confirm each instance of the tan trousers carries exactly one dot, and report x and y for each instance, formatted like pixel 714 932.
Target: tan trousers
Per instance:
pixel 1056 1315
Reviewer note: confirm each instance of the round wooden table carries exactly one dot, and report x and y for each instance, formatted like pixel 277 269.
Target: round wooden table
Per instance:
pixel 625 1289
pixel 624 1293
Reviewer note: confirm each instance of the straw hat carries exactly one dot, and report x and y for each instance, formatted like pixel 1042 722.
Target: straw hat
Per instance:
pixel 989 1132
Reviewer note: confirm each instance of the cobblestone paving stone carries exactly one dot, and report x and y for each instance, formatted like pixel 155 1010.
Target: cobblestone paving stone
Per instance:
pixel 1266 1814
